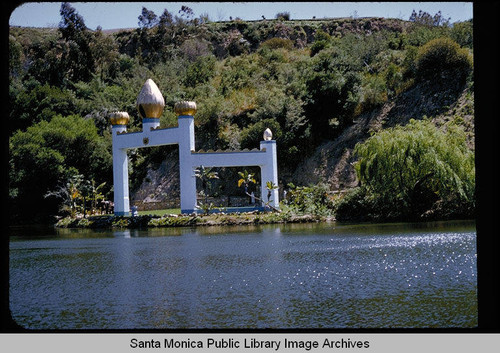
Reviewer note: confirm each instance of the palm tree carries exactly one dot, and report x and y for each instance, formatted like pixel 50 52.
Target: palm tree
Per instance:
pixel 246 179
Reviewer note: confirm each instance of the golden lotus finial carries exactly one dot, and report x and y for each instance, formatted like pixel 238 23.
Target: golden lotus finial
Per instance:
pixel 185 108
pixel 119 118
pixel 150 102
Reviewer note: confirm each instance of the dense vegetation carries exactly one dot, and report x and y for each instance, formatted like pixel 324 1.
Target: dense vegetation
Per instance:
pixel 305 80
pixel 410 172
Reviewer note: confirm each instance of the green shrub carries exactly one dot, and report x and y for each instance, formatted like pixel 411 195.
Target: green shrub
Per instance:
pixel 84 223
pixel 394 78
pixel 251 135
pixel 312 199
pixel 333 88
pixel 321 41
pixel 408 170
pixel 237 73
pixel 409 68
pixel 40 103
pixel 318 46
pixel 354 206
pixel 168 221
pixel 419 35
pixel 120 222
pixel 47 153
pixel 373 92
pixel 443 58
pixel 462 33
pixel 275 43
pixel 200 71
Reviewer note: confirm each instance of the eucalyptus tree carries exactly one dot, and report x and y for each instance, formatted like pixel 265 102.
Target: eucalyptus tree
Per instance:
pixel 78 38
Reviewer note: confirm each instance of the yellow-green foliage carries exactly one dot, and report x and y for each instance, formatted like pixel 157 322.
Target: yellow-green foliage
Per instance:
pixel 443 58
pixel 409 168
pixel 275 43
pixel 373 92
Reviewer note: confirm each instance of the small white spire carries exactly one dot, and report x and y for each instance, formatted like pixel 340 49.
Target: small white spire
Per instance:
pixel 268 135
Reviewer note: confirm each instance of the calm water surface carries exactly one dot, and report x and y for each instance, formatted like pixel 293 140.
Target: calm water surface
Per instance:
pixel 279 276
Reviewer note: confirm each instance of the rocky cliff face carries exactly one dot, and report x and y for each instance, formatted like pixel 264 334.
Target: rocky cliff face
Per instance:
pixel 160 188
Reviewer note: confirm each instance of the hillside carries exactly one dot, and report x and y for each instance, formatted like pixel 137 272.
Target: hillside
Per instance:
pixel 321 86
pixel 332 161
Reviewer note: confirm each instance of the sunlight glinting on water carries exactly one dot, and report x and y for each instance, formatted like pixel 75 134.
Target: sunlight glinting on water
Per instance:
pixel 271 277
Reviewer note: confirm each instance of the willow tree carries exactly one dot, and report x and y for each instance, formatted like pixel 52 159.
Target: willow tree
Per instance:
pixel 409 170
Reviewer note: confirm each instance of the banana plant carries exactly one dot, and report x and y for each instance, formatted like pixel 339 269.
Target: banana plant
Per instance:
pixel 246 179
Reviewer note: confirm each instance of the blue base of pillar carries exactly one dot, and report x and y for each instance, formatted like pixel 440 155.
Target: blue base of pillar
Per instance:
pixel 228 210
pixel 122 213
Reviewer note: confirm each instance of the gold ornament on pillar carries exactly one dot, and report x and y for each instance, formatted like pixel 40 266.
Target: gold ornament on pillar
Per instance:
pixel 150 102
pixel 185 108
pixel 119 118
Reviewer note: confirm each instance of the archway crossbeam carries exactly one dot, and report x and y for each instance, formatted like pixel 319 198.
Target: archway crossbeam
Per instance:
pixel 150 105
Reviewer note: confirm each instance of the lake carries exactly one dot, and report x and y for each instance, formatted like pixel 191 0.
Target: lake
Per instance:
pixel 322 275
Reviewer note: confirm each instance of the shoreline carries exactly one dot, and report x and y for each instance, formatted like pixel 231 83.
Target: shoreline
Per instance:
pixel 188 220
pixel 215 219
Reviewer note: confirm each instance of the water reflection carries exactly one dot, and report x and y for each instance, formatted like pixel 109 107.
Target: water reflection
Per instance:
pixel 285 276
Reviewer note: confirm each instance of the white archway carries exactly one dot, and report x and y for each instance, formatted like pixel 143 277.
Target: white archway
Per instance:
pixel 150 104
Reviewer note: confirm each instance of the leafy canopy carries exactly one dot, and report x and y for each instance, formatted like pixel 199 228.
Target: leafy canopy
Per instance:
pixel 443 58
pixel 50 152
pixel 408 168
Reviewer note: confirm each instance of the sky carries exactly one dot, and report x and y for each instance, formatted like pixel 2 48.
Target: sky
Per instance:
pixel 112 15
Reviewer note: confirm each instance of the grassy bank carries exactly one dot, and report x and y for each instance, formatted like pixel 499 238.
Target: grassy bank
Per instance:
pixel 160 212
pixel 180 220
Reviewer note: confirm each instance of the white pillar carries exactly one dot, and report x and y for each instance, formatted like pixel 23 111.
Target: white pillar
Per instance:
pixel 269 172
pixel 186 168
pixel 120 175
pixel 150 123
